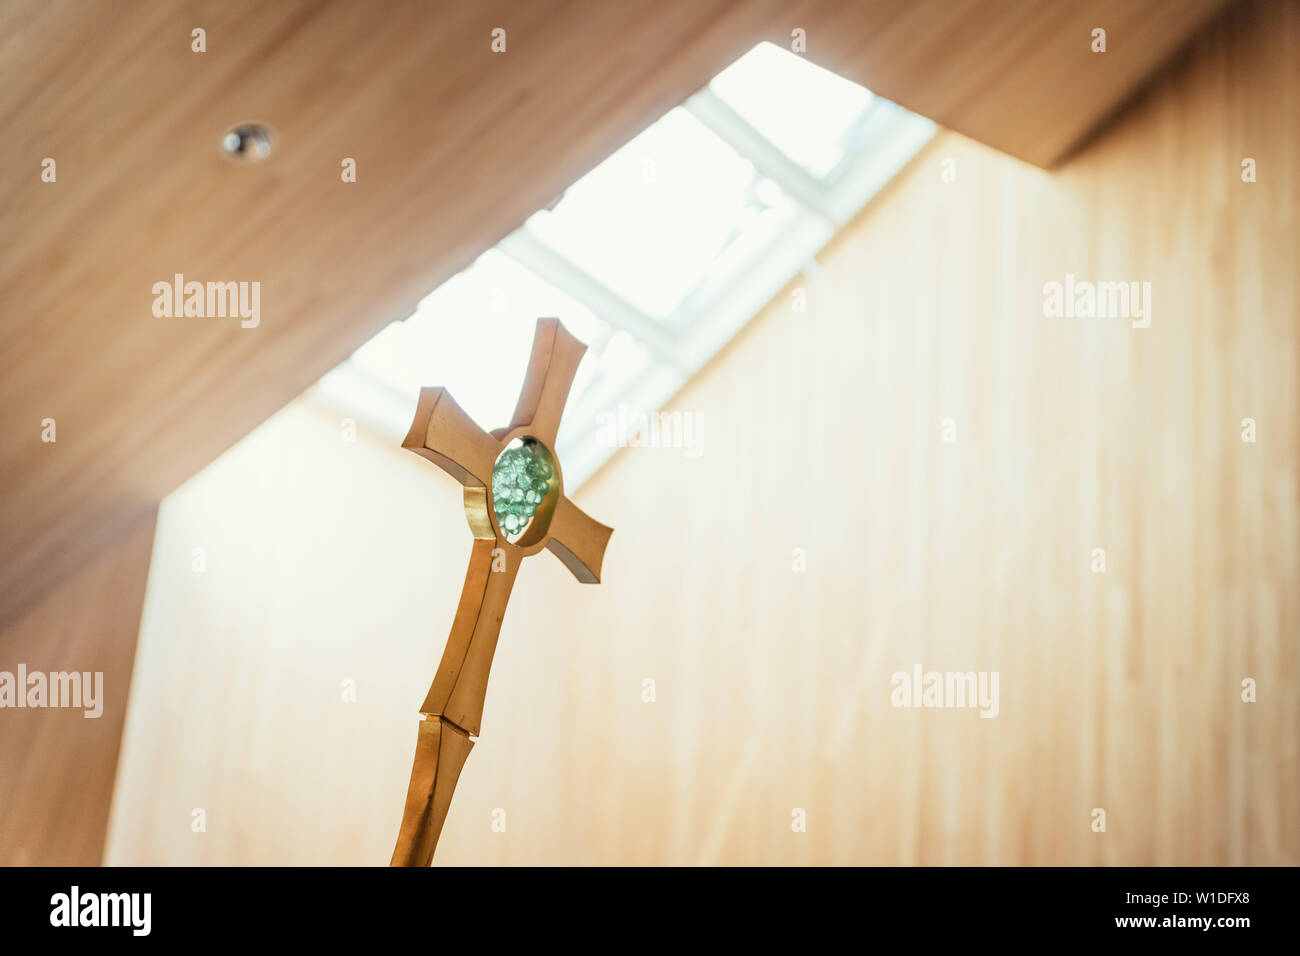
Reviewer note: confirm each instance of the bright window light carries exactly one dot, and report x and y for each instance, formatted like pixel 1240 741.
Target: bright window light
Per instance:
pixel 655 258
pixel 651 220
pixel 808 113
pixel 472 334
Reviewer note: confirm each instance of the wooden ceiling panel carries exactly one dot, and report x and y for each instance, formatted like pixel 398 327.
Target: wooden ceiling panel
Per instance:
pixel 455 146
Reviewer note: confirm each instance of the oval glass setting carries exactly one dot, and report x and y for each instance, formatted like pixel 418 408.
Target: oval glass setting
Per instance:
pixel 525 488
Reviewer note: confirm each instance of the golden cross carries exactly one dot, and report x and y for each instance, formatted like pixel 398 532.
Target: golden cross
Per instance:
pixel 497 506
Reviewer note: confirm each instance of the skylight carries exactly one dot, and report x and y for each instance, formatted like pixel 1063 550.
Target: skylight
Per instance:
pixel 653 219
pixel 655 258
pixel 438 346
pixel 808 113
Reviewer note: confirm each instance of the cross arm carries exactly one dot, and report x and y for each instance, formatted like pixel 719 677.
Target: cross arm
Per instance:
pixel 551 367
pixel 578 540
pixel 446 436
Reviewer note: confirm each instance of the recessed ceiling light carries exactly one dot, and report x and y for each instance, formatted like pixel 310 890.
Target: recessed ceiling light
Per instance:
pixel 248 142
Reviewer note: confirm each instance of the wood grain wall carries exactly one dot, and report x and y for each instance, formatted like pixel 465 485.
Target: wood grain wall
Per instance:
pixel 331 561
pixel 56 765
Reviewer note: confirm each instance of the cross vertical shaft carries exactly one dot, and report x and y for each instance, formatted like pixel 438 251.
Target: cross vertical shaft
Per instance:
pixel 444 434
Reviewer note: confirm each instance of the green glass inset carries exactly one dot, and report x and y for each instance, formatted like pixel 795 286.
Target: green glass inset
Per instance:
pixel 520 481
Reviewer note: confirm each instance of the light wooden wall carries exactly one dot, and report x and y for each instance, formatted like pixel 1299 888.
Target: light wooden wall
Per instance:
pixel 330 561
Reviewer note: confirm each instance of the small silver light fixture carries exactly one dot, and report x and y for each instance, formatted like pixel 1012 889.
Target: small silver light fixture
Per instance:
pixel 248 142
